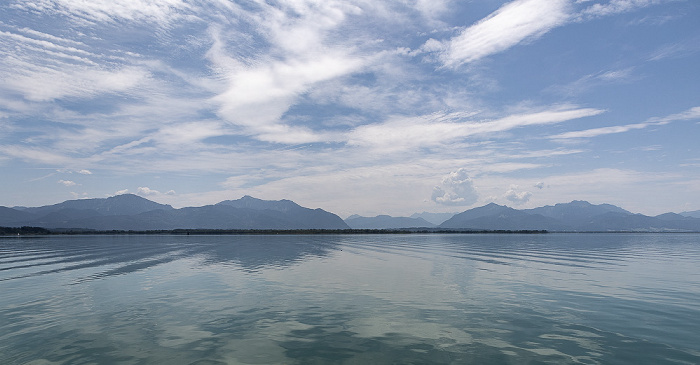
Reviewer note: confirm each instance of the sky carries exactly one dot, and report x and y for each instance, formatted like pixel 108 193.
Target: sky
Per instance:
pixel 355 106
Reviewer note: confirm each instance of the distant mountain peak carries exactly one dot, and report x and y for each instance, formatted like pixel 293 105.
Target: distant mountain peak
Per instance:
pixel 384 221
pixel 127 196
pixel 577 203
pixel 694 214
pixel 492 204
pixel 495 207
pixel 124 204
pixel 434 218
pixel 250 202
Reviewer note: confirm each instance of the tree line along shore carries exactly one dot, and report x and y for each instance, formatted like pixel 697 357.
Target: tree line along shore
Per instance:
pixel 40 231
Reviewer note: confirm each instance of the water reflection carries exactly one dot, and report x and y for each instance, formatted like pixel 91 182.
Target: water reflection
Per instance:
pixel 26 257
pixel 511 299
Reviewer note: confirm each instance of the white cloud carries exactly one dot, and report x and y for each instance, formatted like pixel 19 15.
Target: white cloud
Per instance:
pixel 590 81
pixel 517 22
pixel 516 196
pixel 67 182
pixel 677 49
pixel 260 88
pixel 513 23
pixel 402 133
pixel 258 96
pixel 121 192
pixel 615 7
pixel 595 132
pixel 539 185
pixel 142 190
pixel 457 188
pixel 432 9
pixel 160 11
pixel 46 83
pixel 49 47
pixel 177 135
pixel 35 154
pixel 146 191
pixel 85 172
pixel 78 195
pixel 693 113
pixel 334 81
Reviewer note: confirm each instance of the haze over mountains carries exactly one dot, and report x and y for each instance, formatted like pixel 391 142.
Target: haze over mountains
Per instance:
pixel 132 212
pixel 385 222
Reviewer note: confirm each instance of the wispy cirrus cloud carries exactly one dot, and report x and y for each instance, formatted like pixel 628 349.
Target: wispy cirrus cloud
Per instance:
pixel 612 7
pixel 693 113
pixel 302 99
pixel 260 89
pixel 400 134
pixel 108 10
pixel 518 22
pixel 677 49
pixel 512 24
pixel 46 84
pixel 36 154
pixel 591 81
pixel 50 45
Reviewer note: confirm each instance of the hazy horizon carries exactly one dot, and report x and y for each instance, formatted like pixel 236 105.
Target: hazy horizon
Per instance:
pixel 355 107
pixel 344 217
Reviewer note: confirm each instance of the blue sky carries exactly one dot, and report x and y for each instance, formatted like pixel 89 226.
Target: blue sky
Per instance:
pixel 367 107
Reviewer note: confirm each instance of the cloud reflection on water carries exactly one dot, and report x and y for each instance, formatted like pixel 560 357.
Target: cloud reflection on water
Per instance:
pixel 348 299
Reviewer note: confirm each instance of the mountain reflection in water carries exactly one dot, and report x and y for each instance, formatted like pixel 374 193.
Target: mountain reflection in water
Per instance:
pixel 440 299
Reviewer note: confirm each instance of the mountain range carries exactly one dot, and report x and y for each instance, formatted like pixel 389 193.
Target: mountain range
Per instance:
pixel 132 212
pixel 576 216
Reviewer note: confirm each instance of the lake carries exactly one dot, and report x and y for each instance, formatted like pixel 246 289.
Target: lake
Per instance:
pixel 351 299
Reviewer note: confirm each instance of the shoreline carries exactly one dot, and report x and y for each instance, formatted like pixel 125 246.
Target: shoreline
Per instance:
pixel 39 231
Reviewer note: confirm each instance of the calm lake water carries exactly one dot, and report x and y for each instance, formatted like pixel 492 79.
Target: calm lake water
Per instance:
pixel 351 299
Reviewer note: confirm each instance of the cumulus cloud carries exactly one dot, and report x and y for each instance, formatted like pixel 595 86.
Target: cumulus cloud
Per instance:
pixel 517 197
pixel 146 191
pixel 143 190
pixel 457 188
pixel 85 172
pixel 121 192
pixel 67 182
pixel 539 185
